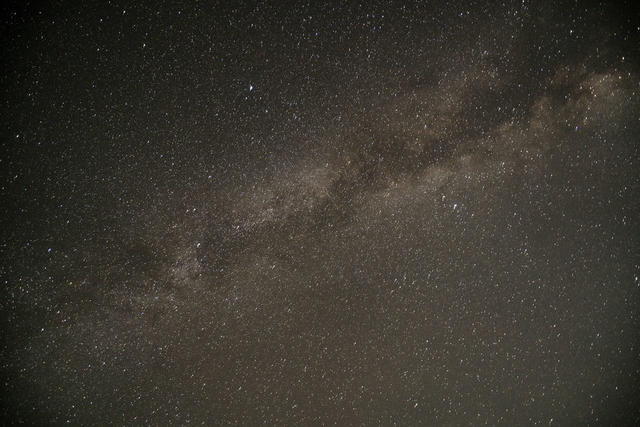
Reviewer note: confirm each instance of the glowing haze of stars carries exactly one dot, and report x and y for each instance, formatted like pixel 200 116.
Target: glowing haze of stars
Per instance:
pixel 314 213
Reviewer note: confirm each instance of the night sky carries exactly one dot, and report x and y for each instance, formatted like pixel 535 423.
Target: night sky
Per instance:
pixel 375 213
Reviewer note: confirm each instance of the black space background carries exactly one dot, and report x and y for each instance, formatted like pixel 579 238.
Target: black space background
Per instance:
pixel 308 213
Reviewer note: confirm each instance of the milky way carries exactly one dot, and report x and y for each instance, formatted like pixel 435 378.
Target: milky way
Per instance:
pixel 303 214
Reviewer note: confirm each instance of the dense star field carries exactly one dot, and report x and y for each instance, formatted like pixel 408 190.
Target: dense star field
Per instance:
pixel 384 213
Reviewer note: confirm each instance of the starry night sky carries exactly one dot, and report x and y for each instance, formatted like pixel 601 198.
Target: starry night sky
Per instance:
pixel 302 213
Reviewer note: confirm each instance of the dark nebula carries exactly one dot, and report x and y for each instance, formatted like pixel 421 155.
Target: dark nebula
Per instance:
pixel 304 213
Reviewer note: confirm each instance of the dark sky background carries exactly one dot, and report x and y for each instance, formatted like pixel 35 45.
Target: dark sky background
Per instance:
pixel 374 213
